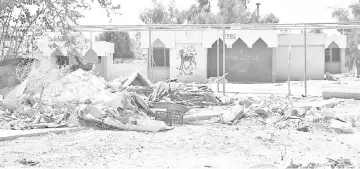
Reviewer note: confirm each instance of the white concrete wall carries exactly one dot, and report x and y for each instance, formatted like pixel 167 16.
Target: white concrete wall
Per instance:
pixel 160 73
pixel 315 62
pixel 333 67
pixel 199 73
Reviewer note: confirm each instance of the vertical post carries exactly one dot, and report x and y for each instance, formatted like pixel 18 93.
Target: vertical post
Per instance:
pixel 305 79
pixel 218 63
pixel 164 56
pixel 224 36
pixel 289 63
pixel 81 47
pixel 149 56
pixel 91 41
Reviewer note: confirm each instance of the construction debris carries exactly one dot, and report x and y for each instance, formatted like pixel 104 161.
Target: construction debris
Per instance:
pixel 181 93
pixel 85 99
pixel 235 113
pixel 341 127
pixel 213 80
pixel 84 96
pixel 136 79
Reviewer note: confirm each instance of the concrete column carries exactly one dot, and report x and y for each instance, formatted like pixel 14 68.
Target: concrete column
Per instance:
pixel 107 62
pixel 342 60
pixel 273 66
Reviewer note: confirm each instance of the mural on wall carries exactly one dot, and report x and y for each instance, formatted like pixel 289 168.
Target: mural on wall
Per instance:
pixel 188 60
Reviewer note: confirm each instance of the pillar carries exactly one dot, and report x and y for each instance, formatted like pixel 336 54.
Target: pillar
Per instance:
pixel 273 66
pixel 342 60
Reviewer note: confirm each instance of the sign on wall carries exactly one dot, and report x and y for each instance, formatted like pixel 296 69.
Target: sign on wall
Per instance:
pixel 231 36
pixel 187 59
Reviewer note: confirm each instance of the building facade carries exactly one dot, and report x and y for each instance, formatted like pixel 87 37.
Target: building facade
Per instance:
pixel 251 56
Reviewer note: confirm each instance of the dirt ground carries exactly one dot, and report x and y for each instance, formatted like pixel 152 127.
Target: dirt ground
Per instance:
pixel 205 145
pixel 188 146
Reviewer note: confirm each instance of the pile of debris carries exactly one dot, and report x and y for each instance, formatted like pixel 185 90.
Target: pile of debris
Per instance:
pixel 192 95
pixel 79 98
pixel 279 112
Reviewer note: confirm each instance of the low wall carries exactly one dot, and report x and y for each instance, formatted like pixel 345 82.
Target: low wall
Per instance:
pixel 333 67
pixel 160 73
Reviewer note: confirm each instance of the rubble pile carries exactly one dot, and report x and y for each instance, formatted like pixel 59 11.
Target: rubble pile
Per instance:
pixel 191 95
pixel 80 98
pixel 281 113
pixel 331 163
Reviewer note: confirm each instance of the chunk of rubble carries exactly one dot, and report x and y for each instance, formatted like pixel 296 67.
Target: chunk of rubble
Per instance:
pixel 330 103
pixel 187 94
pixel 136 79
pixel 235 113
pixel 263 112
pixel 341 127
pixel 113 118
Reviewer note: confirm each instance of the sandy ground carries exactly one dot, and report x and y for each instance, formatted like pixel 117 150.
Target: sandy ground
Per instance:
pixel 189 146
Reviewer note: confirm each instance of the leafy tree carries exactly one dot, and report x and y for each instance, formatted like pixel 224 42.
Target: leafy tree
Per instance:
pixel 122 43
pixel 230 11
pixel 25 21
pixel 233 11
pixel 136 45
pixel 157 14
pixel 353 40
pixel 269 18
pixel 200 13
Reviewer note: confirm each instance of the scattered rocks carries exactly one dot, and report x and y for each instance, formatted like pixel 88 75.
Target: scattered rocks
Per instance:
pixel 304 129
pixel 27 162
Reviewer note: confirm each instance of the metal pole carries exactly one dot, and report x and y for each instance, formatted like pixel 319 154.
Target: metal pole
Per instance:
pixel 81 47
pixel 224 36
pixel 218 63
pixel 149 56
pixel 289 63
pixel 305 79
pixel 91 42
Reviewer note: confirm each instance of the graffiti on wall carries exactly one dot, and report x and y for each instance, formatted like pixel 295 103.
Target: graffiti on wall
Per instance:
pixel 187 56
pixel 242 62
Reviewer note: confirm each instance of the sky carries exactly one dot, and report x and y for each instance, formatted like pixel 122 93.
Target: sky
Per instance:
pixel 288 11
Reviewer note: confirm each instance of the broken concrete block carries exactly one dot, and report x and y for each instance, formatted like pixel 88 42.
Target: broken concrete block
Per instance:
pixel 263 112
pixel 90 112
pixel 136 79
pixel 203 114
pixel 295 112
pixel 341 127
pixel 120 99
pixel 246 102
pixel 236 112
